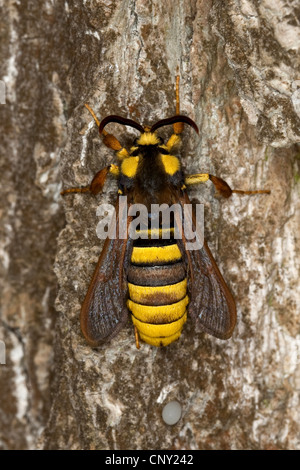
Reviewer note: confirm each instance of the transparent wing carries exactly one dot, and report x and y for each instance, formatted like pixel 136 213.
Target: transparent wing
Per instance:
pixel 104 310
pixel 211 306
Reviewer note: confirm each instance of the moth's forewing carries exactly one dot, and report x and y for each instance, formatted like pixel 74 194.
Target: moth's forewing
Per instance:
pixel 212 305
pixel 104 310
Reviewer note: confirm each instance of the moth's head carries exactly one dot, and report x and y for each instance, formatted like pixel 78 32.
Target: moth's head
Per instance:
pixel 148 138
pixel 148 134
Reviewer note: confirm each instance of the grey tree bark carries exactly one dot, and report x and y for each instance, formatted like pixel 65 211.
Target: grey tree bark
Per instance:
pixel 240 81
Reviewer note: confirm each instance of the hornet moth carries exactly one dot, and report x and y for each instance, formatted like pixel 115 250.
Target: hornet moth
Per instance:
pixel 154 279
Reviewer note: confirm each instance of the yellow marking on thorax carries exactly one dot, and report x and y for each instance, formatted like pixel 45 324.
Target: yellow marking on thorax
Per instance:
pixel 163 146
pixel 122 153
pixel 129 166
pixel 114 170
pixel 148 138
pixel 172 142
pixel 155 254
pixel 170 163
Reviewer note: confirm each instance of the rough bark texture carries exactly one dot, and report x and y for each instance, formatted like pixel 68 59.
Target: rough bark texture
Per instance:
pixel 240 80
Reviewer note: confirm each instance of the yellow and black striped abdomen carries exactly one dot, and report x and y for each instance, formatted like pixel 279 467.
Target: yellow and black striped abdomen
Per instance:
pixel 157 288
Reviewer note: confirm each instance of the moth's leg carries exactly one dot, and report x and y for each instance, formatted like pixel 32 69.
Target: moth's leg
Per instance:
pixel 109 139
pixel 178 127
pixel 221 186
pixel 137 338
pixel 97 183
pixel 99 179
pixel 196 179
pixel 225 190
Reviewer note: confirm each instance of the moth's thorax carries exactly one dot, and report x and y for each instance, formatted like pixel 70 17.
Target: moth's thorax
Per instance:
pixel 150 173
pixel 150 153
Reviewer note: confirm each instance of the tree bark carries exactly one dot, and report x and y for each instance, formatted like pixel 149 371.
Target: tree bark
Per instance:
pixel 239 66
